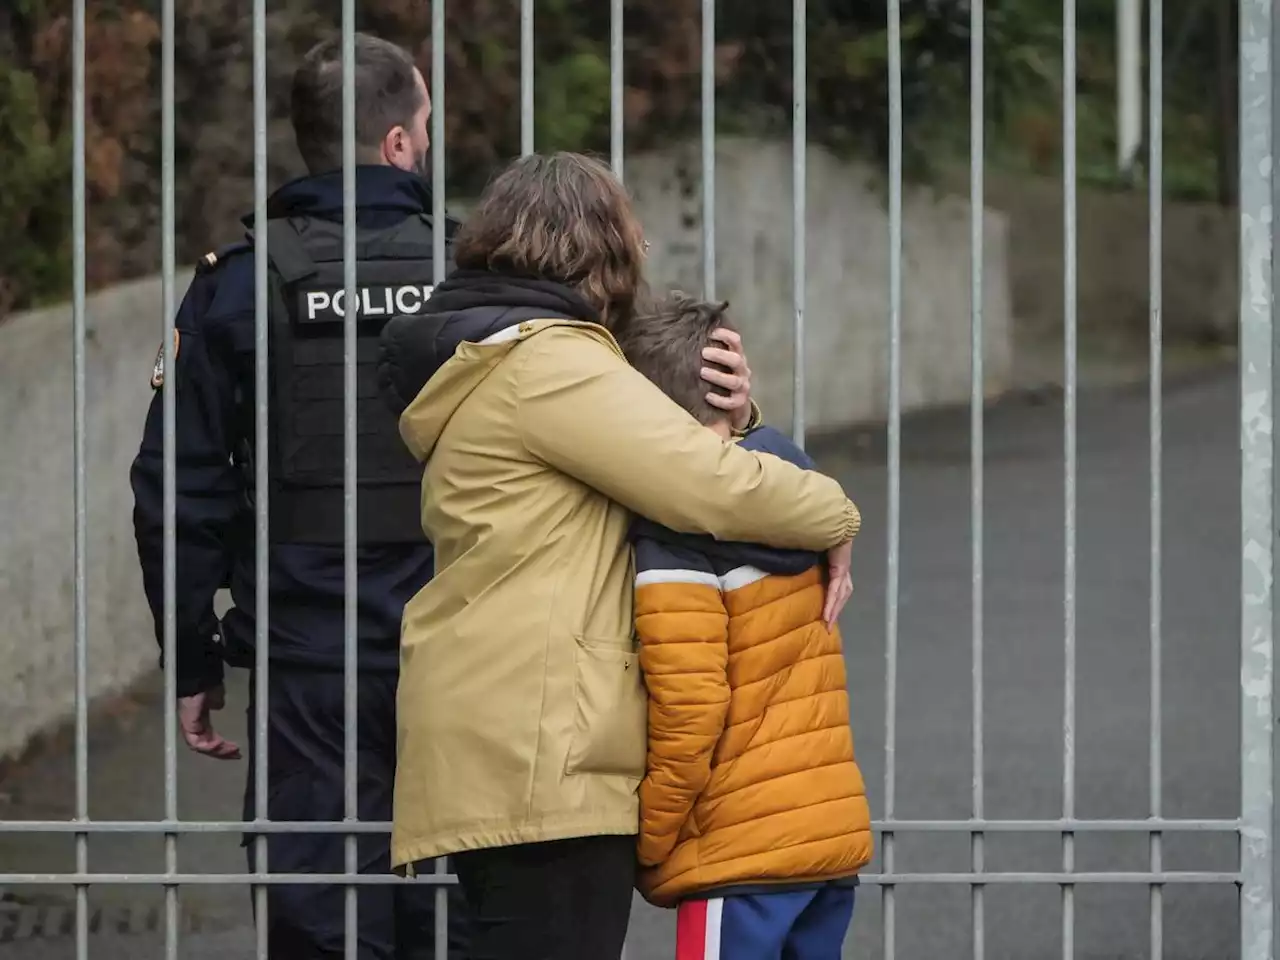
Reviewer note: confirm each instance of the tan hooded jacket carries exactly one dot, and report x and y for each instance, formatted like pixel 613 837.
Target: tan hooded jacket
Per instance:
pixel 521 709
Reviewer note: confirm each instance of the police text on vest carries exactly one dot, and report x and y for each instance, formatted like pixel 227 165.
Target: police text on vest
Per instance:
pixel 370 302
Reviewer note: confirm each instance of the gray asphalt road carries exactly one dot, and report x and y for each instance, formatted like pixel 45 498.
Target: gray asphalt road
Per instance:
pixel 1024 698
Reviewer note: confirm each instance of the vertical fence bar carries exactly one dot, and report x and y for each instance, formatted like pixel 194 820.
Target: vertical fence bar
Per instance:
pixel 709 149
pixel 438 264
pixel 1256 476
pixel 79 494
pixel 1155 250
pixel 526 77
pixel 617 130
pixel 894 466
pixel 617 89
pixel 1069 467
pixel 977 381
pixel 1128 82
pixel 1274 188
pixel 167 259
pixel 438 188
pixel 350 667
pixel 261 484
pixel 799 157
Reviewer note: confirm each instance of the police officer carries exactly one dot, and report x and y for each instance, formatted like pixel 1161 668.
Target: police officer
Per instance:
pixel 215 445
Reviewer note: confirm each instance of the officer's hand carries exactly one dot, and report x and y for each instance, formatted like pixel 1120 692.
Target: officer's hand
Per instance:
pixel 839 582
pixel 737 380
pixel 197 728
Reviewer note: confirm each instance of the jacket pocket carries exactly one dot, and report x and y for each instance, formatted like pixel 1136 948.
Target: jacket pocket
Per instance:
pixel 610 732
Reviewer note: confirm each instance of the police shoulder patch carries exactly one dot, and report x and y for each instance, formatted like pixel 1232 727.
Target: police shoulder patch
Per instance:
pixel 157 369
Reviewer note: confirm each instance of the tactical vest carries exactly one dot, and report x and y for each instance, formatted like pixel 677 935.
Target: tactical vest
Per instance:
pixel 394 276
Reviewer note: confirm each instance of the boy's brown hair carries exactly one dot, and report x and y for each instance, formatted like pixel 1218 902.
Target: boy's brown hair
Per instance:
pixel 665 343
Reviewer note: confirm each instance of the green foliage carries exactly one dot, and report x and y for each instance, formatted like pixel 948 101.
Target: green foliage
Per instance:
pixel 35 137
pixel 36 166
pixel 572 101
pixel 34 262
pixel 847 100
pixel 1024 97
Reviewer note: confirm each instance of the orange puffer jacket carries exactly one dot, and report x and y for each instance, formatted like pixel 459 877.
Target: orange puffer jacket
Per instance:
pixel 751 777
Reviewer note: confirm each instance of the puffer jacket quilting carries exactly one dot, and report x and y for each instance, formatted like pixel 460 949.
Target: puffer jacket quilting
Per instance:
pixel 751 777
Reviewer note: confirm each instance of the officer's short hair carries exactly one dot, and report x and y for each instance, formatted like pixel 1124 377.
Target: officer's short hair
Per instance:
pixel 562 217
pixel 665 343
pixel 387 94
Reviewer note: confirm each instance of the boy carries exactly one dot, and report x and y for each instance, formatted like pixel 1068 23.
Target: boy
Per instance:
pixel 753 814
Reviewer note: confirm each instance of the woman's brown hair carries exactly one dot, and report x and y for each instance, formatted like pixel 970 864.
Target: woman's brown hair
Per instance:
pixel 563 217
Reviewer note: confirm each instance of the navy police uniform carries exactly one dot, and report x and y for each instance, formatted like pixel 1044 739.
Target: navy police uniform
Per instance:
pixel 215 446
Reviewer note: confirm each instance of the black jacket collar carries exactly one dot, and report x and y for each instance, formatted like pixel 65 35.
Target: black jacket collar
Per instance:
pixel 483 291
pixel 379 188
pixel 469 306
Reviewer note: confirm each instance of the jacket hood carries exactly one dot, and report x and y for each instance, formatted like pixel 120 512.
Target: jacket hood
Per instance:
pixel 474 319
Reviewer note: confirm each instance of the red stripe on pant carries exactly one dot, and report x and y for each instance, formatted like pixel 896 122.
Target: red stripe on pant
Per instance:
pixel 691 930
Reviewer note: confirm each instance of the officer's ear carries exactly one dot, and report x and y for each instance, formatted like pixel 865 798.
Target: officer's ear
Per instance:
pixel 397 148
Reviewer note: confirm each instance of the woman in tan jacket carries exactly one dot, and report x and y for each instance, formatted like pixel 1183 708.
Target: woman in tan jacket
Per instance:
pixel 521 710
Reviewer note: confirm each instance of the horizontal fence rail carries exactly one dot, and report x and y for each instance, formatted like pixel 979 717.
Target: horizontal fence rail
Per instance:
pixel 373 826
pixel 380 879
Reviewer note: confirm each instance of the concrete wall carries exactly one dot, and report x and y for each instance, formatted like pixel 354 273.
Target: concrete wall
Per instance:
pixel 1200 250
pixel 846 362
pixel 847 292
pixel 36 476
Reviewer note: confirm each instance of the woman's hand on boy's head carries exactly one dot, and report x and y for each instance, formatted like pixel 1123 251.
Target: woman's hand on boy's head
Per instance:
pixel 735 378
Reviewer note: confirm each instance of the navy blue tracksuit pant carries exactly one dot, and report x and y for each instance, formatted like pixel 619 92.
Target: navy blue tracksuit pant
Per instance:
pixel 305 772
pixel 798 924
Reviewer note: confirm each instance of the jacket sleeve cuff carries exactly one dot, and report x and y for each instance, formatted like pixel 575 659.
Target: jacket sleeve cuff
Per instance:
pixel 754 421
pixel 200 670
pixel 852 521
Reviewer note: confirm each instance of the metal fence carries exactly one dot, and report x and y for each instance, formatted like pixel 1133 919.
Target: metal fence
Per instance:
pixel 1254 825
